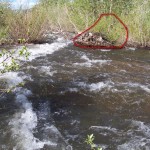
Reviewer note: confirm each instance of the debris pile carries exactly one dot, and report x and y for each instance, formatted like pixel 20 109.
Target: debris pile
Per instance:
pixel 93 39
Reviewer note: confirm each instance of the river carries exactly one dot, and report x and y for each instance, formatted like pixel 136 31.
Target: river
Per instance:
pixel 70 93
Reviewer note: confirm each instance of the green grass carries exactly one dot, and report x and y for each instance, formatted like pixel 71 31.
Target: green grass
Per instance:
pixel 76 16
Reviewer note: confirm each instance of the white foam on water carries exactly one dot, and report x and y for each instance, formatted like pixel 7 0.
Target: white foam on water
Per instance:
pixel 131 48
pixel 137 136
pixel 51 129
pixel 44 49
pixel 48 129
pixel 141 127
pixel 104 128
pixel 73 90
pixel 105 50
pixel 46 70
pixel 11 78
pixel 140 137
pixel 143 87
pixel 96 87
pixel 23 124
pixel 99 86
pixel 114 87
pixel 24 121
pixel 146 88
pixel 135 144
pixel 129 87
pixel 89 63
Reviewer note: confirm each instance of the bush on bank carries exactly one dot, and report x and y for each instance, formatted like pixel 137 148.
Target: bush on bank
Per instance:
pixel 74 16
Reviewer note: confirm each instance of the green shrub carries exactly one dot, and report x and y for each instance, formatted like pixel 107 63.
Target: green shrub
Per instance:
pixel 90 141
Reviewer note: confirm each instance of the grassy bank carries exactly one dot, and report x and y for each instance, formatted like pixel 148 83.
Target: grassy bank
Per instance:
pixel 30 24
pixel 76 16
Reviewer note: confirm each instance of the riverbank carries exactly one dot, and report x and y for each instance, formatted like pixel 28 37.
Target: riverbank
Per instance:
pixel 52 36
pixel 32 24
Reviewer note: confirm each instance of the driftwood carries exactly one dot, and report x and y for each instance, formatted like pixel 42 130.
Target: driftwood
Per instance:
pixel 93 39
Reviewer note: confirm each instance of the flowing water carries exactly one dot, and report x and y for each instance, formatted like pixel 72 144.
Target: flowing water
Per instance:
pixel 70 93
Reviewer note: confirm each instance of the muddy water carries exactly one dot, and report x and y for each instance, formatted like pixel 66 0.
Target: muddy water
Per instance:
pixel 70 93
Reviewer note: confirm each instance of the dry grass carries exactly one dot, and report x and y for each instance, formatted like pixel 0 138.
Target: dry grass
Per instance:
pixel 33 24
pixel 29 25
